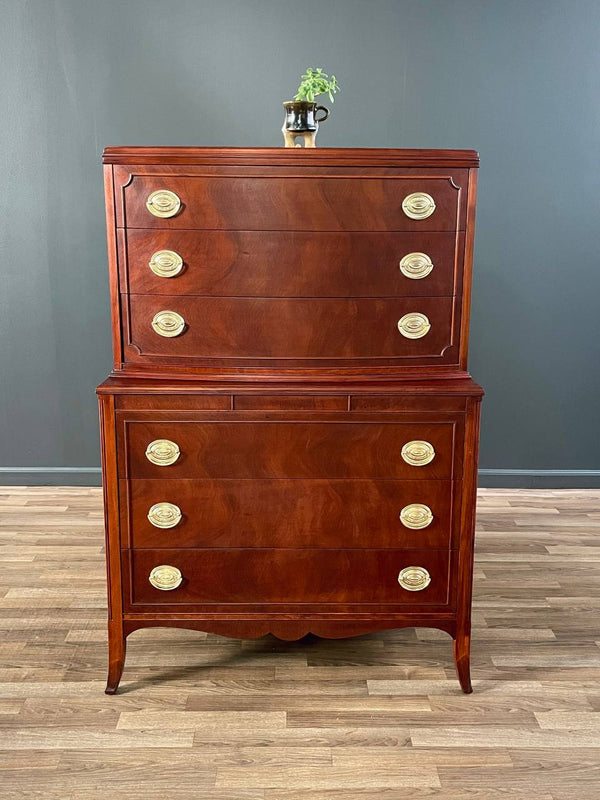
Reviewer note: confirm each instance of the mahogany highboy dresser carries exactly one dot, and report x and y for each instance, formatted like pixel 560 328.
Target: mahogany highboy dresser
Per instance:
pixel 289 434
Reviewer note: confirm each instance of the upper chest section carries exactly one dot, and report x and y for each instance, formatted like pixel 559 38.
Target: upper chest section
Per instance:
pixel 283 258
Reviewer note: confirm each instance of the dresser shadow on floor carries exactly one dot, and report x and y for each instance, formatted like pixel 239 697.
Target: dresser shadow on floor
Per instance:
pixel 368 650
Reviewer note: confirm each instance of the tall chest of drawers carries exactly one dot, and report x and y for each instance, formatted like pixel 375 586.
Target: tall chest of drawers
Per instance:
pixel 289 433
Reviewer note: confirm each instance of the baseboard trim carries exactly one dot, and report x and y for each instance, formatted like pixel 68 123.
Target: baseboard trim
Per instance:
pixel 539 478
pixel 488 478
pixel 50 476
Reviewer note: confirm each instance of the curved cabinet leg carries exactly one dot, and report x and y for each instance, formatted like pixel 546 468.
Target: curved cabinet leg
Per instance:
pixel 462 659
pixel 116 656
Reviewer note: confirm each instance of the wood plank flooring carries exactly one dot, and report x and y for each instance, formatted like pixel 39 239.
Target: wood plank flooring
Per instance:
pixel 380 716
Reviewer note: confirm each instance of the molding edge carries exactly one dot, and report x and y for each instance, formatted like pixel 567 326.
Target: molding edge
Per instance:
pixel 488 478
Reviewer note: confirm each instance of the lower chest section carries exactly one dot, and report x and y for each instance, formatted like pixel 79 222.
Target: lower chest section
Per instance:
pixel 341 503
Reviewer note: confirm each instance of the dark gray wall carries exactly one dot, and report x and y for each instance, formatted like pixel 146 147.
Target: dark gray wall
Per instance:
pixel 516 79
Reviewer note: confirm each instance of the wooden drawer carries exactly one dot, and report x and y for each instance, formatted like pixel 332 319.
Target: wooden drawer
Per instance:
pixel 288 513
pixel 287 576
pixel 293 330
pixel 307 203
pixel 290 264
pixel 286 449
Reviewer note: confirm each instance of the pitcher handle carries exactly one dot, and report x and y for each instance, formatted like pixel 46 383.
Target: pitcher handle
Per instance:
pixel 321 108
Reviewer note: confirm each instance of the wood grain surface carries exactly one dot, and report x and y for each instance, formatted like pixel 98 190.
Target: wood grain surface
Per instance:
pixel 248 447
pixel 290 263
pixel 292 513
pixel 360 580
pixel 380 716
pixel 293 330
pixel 270 202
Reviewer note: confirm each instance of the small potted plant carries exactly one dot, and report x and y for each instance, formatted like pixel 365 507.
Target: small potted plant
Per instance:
pixel 300 113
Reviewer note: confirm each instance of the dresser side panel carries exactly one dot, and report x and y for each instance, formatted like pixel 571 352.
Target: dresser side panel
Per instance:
pixel 113 268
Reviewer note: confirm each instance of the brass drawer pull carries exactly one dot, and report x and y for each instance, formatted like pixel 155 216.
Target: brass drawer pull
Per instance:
pixel 417 453
pixel 414 325
pixel 164 515
pixel 163 203
pixel 166 263
pixel 416 516
pixel 168 324
pixel 165 578
pixel 416 265
pixel 162 452
pixel 418 205
pixel 414 579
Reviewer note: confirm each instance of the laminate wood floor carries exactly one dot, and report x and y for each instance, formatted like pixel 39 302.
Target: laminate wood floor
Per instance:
pixel 380 716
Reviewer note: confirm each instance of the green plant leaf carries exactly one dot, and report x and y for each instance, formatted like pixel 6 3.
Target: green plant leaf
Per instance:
pixel 315 82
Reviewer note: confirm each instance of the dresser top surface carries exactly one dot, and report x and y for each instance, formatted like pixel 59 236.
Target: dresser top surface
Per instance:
pixel 281 156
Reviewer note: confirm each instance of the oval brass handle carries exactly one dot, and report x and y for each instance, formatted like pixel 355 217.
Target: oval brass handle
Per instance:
pixel 162 452
pixel 163 203
pixel 168 324
pixel 414 579
pixel 166 263
pixel 418 205
pixel 164 515
pixel 165 577
pixel 414 325
pixel 416 516
pixel 416 265
pixel 417 453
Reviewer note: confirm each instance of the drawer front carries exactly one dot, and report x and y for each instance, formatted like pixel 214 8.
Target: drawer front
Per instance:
pixel 291 264
pixel 293 203
pixel 293 329
pixel 287 576
pixel 289 513
pixel 270 449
